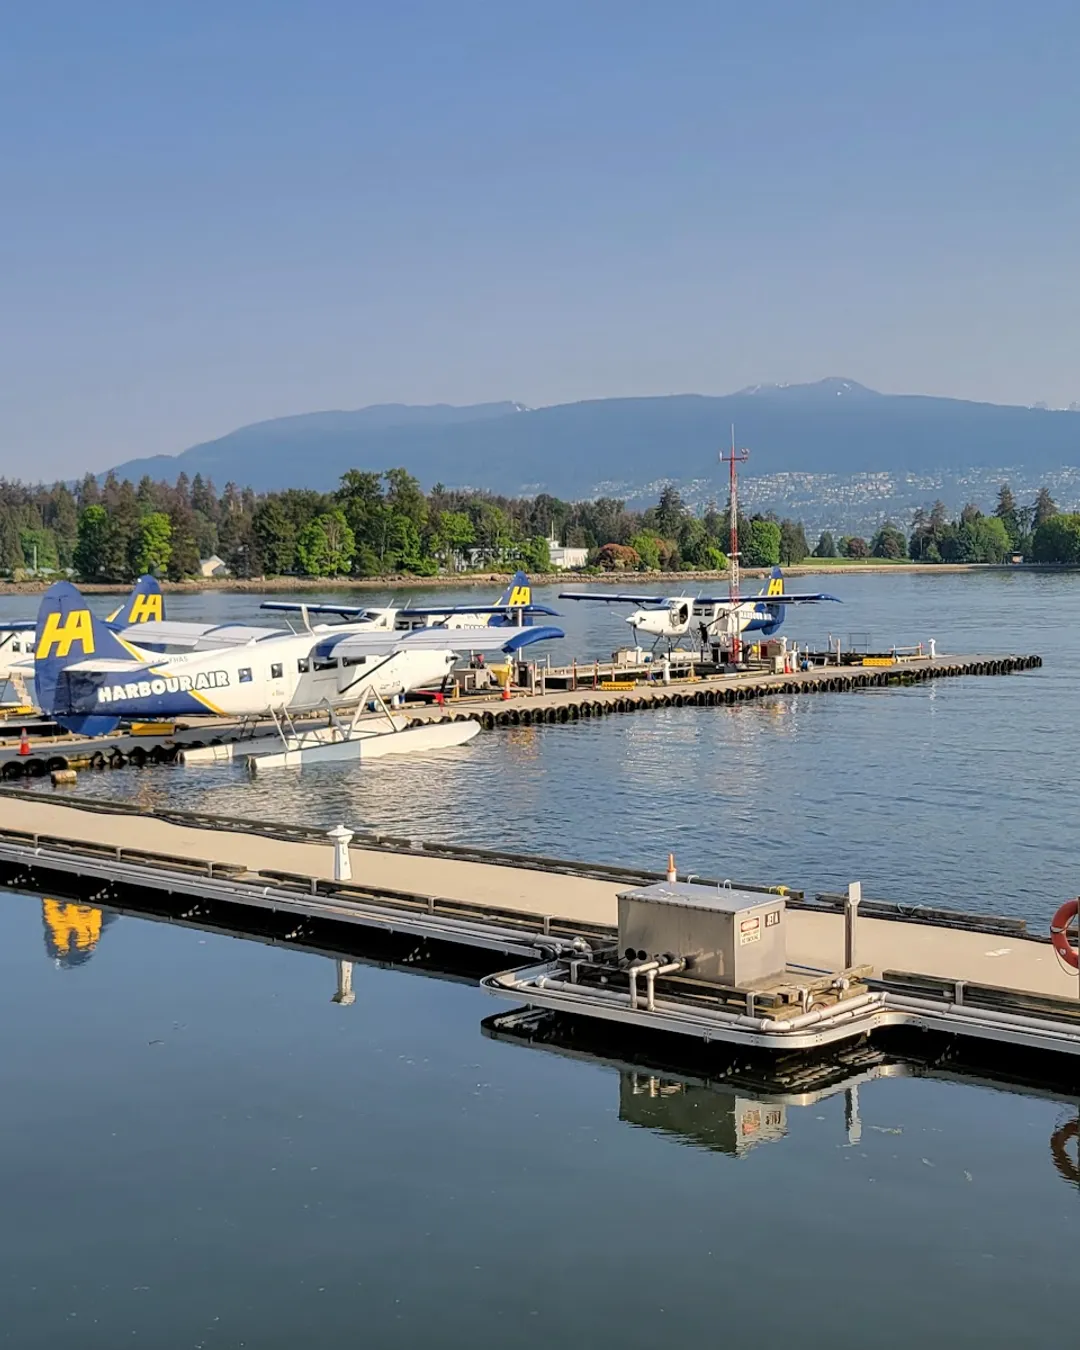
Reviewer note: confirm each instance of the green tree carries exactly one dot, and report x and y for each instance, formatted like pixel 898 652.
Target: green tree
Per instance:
pixel 1008 513
pixel 11 554
pixel 92 547
pixel 793 543
pixel 275 535
pixel 889 542
pixel 325 545
pixel 1045 508
pixel 759 543
pixel 1057 540
pixel 536 555
pixel 184 556
pixel 152 548
pixel 825 546
pixel 670 511
pixel 451 533
pixel 647 548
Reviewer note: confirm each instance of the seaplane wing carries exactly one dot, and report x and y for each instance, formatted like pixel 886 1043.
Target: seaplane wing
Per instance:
pixel 419 612
pixel 353 646
pixel 18 625
pixel 620 598
pixel 298 607
pixel 778 598
pixel 196 637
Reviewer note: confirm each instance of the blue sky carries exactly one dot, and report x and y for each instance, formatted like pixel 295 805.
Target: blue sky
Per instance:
pixel 212 214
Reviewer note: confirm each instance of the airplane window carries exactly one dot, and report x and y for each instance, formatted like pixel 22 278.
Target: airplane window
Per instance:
pixel 325 665
pixel 303 665
pixel 355 661
pixel 245 675
pixel 276 672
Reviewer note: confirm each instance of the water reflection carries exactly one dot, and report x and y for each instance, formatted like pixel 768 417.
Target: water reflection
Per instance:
pixel 72 931
pixel 1065 1151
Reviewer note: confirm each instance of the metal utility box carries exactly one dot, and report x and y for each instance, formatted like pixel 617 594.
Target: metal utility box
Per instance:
pixel 727 937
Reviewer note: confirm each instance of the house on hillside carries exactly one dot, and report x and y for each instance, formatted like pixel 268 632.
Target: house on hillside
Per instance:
pixel 213 567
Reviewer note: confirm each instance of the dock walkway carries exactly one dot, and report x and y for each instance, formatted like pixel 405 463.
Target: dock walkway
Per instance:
pixel 548 890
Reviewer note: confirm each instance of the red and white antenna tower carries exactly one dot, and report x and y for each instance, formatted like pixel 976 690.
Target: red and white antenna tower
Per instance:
pixel 733 459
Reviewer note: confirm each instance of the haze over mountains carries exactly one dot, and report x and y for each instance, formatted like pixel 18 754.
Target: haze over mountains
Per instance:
pixel 623 446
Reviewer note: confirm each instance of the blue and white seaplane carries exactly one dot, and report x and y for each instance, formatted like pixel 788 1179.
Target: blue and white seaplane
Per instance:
pixel 90 677
pixel 713 618
pixel 513 606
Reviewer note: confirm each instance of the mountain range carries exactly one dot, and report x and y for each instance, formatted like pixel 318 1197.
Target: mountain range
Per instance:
pixel 622 446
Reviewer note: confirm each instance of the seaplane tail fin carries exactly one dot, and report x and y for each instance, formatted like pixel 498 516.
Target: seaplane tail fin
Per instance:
pixel 68 633
pixel 145 603
pixel 776 583
pixel 517 594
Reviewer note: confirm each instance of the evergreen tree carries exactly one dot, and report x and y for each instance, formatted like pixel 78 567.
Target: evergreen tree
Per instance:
pixel 1007 512
pixel 1045 508
pixel 826 546
pixel 92 546
pixel 794 547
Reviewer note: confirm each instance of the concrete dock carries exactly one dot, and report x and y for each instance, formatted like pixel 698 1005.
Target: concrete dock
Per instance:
pixel 544 892
pixel 583 702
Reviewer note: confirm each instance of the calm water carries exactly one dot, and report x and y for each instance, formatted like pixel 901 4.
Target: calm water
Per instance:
pixel 198 1148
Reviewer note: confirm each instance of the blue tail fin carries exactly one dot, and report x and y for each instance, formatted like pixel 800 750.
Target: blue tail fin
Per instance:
pixel 518 593
pixel 67 634
pixel 145 602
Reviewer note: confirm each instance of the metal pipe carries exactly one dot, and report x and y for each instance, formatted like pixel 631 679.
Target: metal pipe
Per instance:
pixel 966 1012
pixel 638 968
pixel 672 968
pixel 836 1011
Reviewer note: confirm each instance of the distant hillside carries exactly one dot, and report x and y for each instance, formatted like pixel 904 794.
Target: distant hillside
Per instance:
pixel 620 445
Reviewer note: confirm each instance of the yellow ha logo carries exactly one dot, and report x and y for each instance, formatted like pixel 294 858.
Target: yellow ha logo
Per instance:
pixel 519 596
pixel 62 632
pixel 146 607
pixel 776 586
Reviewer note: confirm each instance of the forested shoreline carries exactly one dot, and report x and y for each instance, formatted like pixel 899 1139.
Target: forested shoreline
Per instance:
pixel 383 524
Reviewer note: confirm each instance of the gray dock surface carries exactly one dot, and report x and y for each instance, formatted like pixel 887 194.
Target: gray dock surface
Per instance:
pixel 815 936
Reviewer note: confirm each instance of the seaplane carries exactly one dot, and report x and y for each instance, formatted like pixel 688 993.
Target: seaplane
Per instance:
pixel 711 618
pixel 90 677
pixel 514 606
pixel 145 604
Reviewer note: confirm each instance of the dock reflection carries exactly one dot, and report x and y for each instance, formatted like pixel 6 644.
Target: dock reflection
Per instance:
pixel 704 1096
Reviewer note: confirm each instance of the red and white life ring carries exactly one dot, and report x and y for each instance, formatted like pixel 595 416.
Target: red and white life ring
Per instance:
pixel 1059 935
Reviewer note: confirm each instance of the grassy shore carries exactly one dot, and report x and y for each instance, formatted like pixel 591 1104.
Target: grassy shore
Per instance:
pixel 628 580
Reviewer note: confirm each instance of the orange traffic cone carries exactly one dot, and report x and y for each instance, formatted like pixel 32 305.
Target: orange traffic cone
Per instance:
pixel 506 690
pixel 24 743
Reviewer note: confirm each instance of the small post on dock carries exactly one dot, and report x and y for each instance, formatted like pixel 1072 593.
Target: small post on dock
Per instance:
pixel 340 837
pixel 344 994
pixel 851 914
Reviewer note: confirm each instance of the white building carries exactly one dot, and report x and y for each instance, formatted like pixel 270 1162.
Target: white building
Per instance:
pixel 564 559
pixel 213 567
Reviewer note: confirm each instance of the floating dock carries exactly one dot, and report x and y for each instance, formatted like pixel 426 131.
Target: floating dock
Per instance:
pixel 587 699
pixel 851 970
